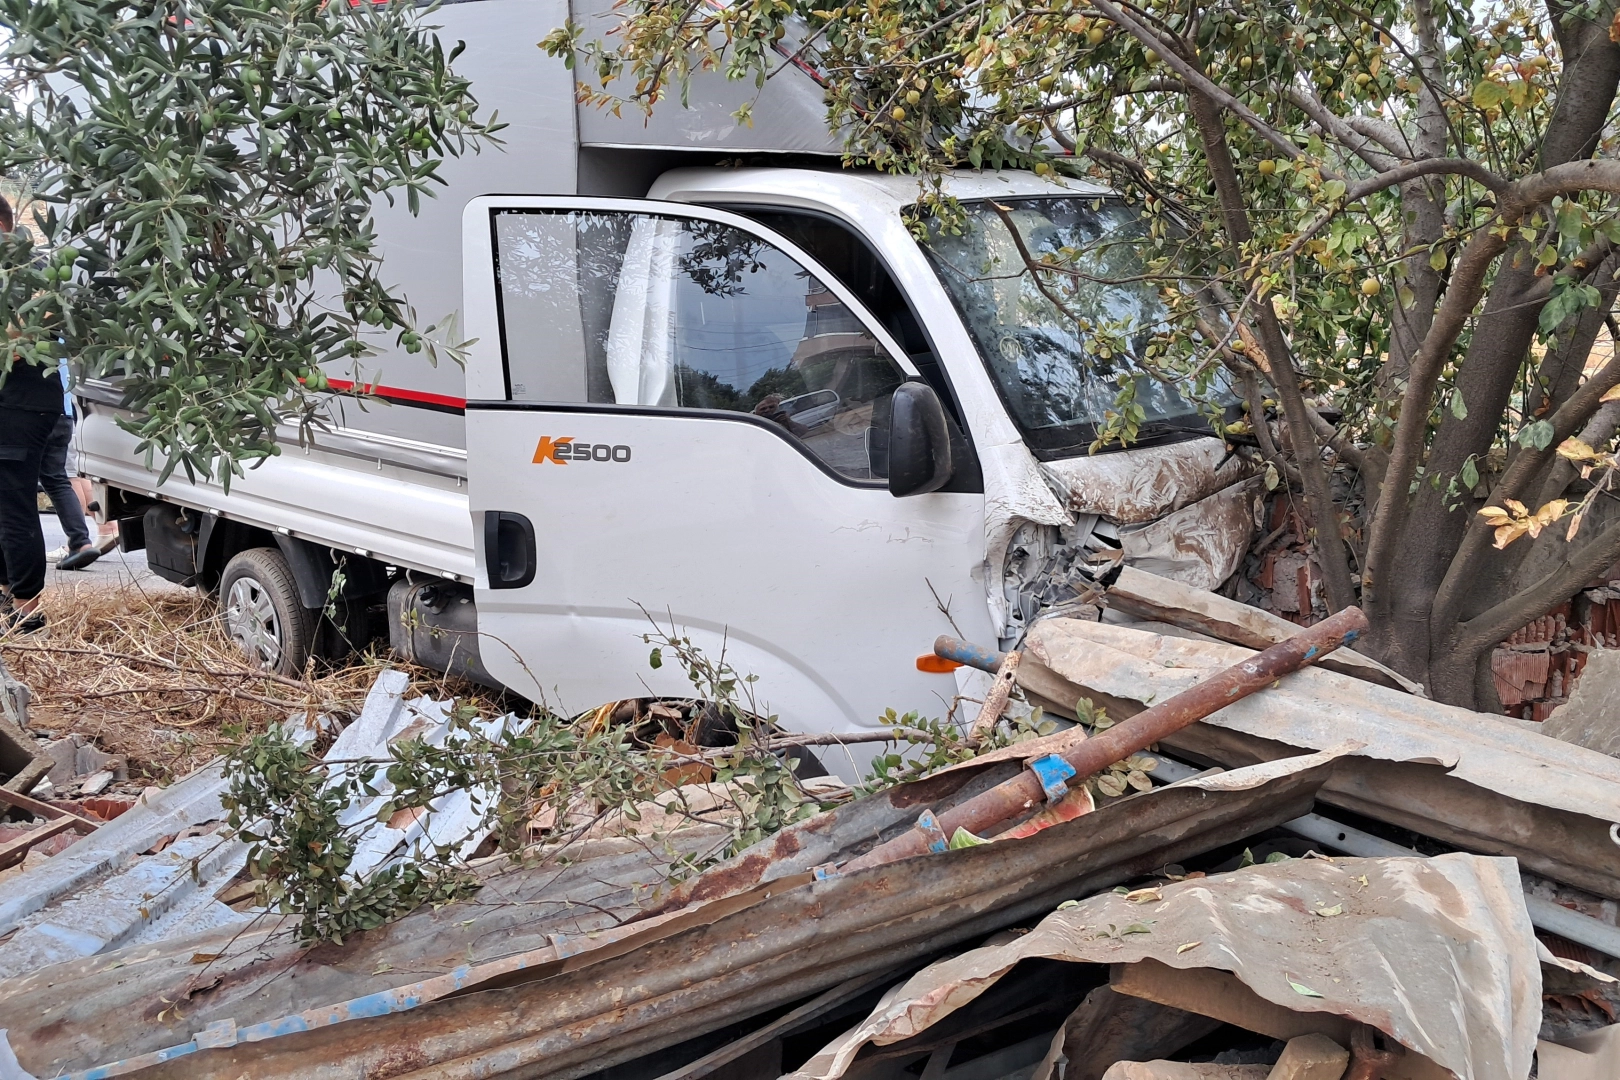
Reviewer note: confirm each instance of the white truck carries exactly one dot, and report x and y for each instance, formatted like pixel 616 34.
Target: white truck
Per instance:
pixel 716 381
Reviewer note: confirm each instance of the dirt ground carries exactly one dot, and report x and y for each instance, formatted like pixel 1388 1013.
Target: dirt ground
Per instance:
pixel 146 671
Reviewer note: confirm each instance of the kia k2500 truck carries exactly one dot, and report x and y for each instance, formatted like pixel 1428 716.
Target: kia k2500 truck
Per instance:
pixel 716 380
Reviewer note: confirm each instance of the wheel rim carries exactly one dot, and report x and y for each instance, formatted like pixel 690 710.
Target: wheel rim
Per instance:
pixel 250 619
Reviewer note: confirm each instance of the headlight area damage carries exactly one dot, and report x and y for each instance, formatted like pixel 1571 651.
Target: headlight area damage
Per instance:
pixel 1187 511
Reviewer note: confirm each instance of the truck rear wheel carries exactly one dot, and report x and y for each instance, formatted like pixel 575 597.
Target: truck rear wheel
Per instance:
pixel 261 611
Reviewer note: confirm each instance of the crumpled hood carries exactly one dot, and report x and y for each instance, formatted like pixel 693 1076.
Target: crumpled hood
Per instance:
pixel 1185 511
pixel 1143 484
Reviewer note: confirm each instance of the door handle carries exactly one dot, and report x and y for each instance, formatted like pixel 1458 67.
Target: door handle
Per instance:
pixel 509 551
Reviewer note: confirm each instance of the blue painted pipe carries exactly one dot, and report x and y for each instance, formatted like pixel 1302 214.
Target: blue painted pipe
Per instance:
pixel 965 652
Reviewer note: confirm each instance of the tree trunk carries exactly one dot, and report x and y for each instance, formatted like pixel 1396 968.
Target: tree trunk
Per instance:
pixel 1407 632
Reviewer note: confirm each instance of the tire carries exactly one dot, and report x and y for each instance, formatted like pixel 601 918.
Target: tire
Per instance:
pixel 260 609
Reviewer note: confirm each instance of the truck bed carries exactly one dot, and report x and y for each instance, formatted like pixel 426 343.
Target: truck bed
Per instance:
pixel 395 500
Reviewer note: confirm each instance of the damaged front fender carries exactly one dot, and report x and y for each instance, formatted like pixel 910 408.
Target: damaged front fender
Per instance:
pixel 1185 511
pixel 1143 484
pixel 1201 544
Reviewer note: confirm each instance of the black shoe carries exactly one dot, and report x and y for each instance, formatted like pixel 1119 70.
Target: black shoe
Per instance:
pixel 80 559
pixel 15 622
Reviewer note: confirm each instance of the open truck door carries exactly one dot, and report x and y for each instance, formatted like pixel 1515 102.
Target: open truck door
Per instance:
pixel 674 414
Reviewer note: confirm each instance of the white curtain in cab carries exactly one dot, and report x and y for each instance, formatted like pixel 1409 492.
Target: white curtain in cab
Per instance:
pixel 641 338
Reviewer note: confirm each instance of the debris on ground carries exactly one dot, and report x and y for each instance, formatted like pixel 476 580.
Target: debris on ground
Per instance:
pixel 1181 838
pixel 151 677
pixel 1591 716
pixel 1433 953
pixel 1538 668
pixel 156 871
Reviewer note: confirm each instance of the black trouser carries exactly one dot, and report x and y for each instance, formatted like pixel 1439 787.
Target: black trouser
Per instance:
pixel 23 437
pixel 53 478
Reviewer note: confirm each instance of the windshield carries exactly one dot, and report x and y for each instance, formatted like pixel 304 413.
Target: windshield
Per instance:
pixel 1058 370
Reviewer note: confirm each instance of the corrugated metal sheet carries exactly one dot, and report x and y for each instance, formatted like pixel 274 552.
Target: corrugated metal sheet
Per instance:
pixel 1481 782
pixel 1436 953
pixel 109 890
pixel 756 947
pixel 105 1008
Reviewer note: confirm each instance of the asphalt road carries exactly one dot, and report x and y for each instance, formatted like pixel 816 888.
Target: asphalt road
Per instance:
pixel 112 570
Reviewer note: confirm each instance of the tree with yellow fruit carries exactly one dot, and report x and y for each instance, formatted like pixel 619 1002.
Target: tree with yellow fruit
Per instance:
pixel 1391 228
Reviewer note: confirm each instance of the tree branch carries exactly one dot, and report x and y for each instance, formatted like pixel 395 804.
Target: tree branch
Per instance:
pixel 1393 504
pixel 1338 440
pixel 1432 123
pixel 1412 170
pixel 1467 286
pixel 1197 80
pixel 1330 550
pixel 1493 625
pixel 1596 432
pixel 1140 173
pixel 1262 429
pixel 1585 264
pixel 1515 482
pixel 1358 144
pixel 1385 134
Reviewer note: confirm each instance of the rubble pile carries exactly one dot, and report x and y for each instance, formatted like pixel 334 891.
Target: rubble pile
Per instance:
pixel 1244 851
pixel 1537 669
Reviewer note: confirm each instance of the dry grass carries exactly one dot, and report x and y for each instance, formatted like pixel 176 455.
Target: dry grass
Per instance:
pixel 151 675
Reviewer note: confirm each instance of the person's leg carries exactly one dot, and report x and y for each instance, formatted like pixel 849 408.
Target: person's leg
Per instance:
pixel 23 436
pixel 106 531
pixel 22 541
pixel 53 478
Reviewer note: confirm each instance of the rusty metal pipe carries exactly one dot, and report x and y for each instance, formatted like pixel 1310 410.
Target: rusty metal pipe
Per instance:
pixel 1025 790
pixel 965 652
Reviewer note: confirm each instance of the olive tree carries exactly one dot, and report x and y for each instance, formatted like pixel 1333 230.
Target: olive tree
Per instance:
pixel 203 178
pixel 1389 226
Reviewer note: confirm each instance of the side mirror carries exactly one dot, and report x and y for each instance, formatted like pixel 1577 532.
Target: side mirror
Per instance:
pixel 919 442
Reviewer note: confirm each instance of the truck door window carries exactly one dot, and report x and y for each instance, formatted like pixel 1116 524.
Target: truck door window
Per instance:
pixel 845 254
pixel 848 258
pixel 637 309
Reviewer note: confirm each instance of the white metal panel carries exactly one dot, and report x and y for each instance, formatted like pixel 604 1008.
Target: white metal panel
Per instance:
pixel 872 204
pixel 401 516
pixel 722 527
pixel 533 95
pixel 819 588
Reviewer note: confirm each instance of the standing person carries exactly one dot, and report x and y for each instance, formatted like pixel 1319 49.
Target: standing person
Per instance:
pixel 53 477
pixel 30 402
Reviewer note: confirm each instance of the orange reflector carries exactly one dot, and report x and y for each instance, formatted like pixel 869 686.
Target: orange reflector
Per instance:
pixel 936 664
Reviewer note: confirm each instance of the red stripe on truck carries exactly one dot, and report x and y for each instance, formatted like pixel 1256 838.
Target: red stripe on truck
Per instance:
pixel 400 394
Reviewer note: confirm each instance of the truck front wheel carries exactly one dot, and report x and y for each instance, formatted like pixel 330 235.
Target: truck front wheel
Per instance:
pixel 261 611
